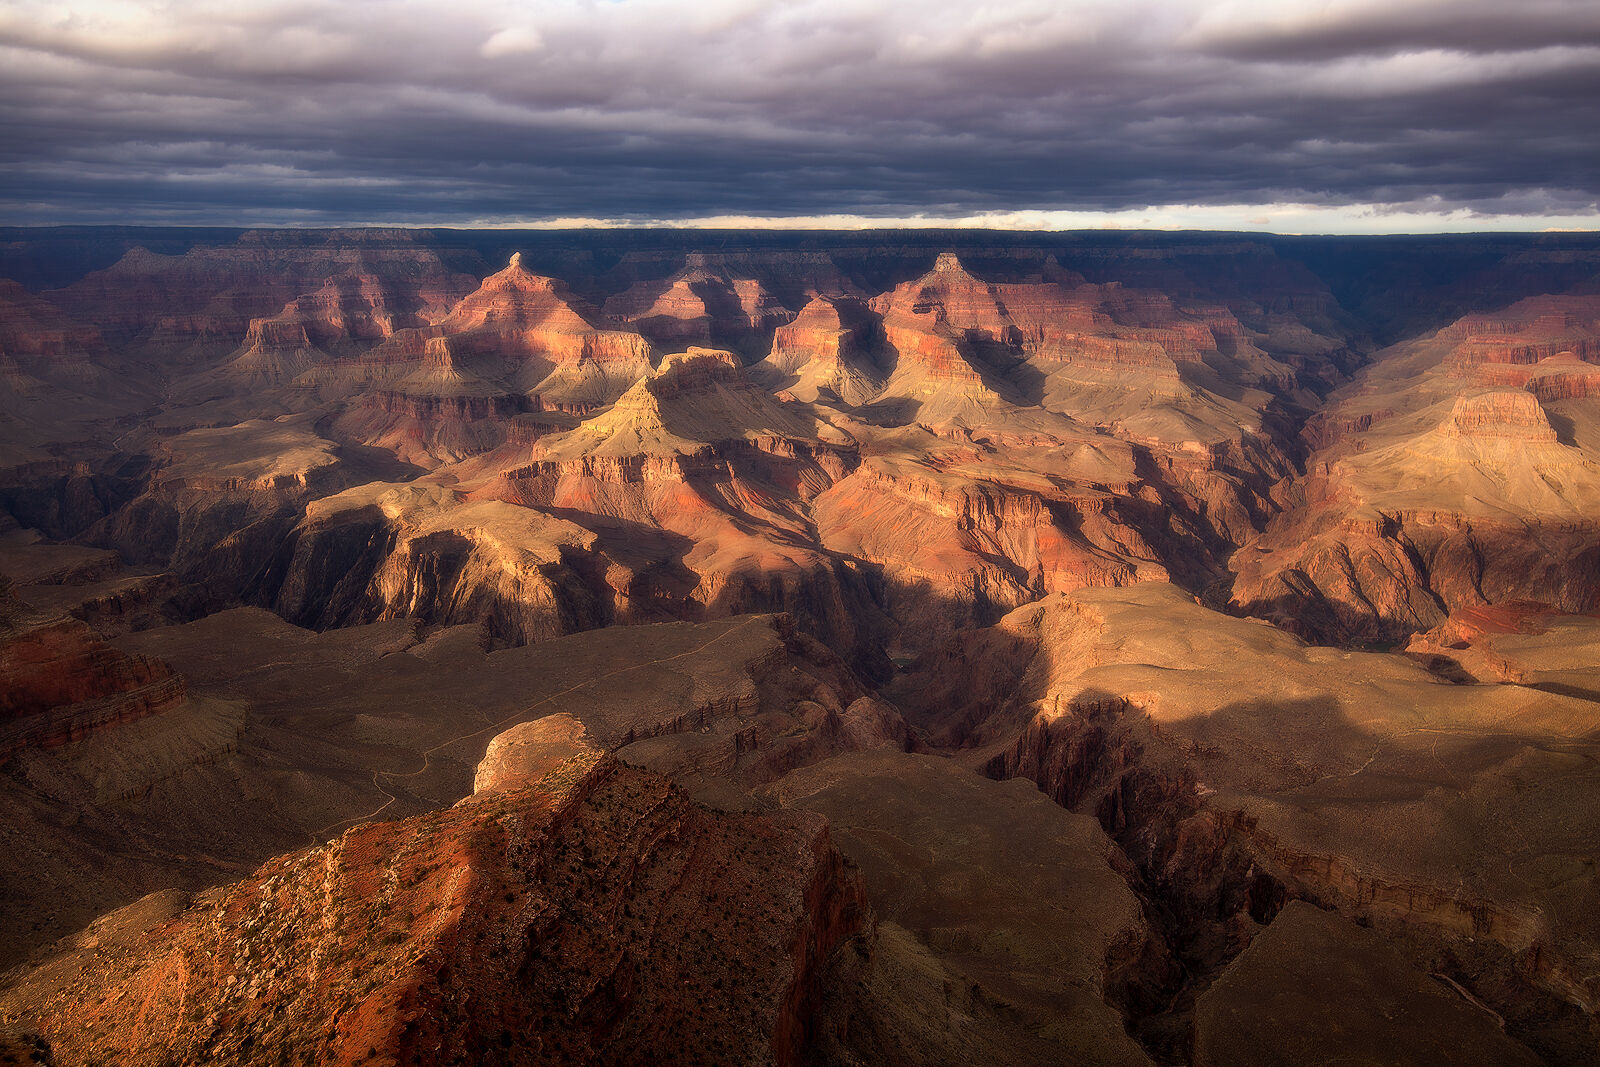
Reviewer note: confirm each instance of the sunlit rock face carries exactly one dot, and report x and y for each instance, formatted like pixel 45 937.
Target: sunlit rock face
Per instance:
pixel 493 931
pixel 827 649
pixel 1460 470
pixel 528 332
pixel 827 352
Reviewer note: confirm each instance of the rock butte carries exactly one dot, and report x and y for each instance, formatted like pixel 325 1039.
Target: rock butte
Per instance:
pixel 431 646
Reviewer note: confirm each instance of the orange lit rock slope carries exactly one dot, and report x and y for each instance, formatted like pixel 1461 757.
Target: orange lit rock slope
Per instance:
pixel 574 910
pixel 303 735
pixel 828 352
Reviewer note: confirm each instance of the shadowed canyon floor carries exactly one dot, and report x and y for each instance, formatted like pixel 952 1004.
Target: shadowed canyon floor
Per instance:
pixel 424 646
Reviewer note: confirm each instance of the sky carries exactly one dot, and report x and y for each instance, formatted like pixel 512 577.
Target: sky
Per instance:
pixel 1302 116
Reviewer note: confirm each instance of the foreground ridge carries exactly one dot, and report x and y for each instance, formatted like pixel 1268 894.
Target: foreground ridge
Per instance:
pixel 573 910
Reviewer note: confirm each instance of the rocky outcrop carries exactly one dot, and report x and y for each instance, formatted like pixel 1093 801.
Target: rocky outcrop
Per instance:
pixel 1564 377
pixel 274 351
pixel 695 452
pixel 1067 321
pixel 388 551
pixel 526 754
pixel 931 322
pixel 516 313
pixel 1525 332
pixel 37 341
pixel 529 334
pixel 347 314
pixel 438 413
pixel 203 303
pixel 574 910
pixel 1038 363
pixel 1440 488
pixel 1509 416
pixel 1239 768
pixel 956 552
pixel 700 305
pixel 59 682
pixel 826 353
pixel 216 510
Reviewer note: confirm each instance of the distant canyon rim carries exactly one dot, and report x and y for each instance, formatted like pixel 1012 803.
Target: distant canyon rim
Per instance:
pixel 906 647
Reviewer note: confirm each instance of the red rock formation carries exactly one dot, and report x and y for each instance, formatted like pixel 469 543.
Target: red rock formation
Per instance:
pixel 206 299
pixel 515 313
pixel 1563 378
pixel 826 353
pixel 350 311
pixel 575 910
pixel 436 414
pixel 59 681
pixel 1433 495
pixel 981 544
pixel 1509 416
pixel 1067 323
pixel 1526 332
pixel 529 333
pixel 699 305
pixel 40 341
pixel 1130 361
pixel 699 452
pixel 928 320
pixel 1326 429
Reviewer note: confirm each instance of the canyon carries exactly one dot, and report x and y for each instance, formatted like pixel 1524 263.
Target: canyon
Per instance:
pixel 819 648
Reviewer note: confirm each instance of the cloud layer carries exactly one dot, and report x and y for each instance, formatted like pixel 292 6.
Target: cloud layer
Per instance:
pixel 1335 113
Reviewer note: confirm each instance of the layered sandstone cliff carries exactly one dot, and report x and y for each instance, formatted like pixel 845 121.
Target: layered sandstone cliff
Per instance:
pixel 528 333
pixel 701 305
pixel 38 341
pixel 827 353
pixel 1462 471
pixel 438 413
pixel 201 304
pixel 59 681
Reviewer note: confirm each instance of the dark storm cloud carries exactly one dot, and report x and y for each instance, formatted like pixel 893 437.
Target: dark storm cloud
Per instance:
pixel 647 109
